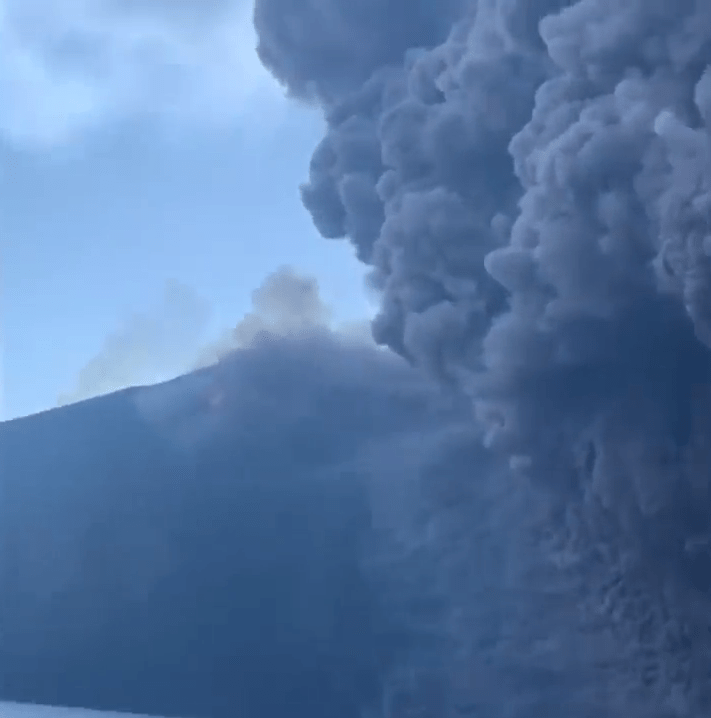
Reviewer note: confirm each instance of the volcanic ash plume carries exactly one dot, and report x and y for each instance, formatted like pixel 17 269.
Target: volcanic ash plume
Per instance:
pixel 529 181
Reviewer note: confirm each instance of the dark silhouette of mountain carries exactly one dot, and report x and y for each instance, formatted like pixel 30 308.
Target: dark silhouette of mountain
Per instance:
pixel 175 551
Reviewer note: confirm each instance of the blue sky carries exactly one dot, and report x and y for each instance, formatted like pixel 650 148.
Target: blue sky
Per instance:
pixel 150 172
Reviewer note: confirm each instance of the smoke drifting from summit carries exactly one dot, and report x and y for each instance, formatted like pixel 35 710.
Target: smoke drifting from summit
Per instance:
pixel 530 182
pixel 286 304
pixel 149 347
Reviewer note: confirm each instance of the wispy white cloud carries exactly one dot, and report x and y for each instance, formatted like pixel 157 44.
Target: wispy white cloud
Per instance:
pixel 69 65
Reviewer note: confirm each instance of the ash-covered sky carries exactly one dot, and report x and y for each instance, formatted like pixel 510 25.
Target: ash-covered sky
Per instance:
pixel 527 184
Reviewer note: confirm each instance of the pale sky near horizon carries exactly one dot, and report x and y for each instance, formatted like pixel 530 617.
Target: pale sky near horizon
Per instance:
pixel 18 710
pixel 149 172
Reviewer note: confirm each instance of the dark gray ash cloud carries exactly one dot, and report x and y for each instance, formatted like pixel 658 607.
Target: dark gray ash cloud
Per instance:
pixel 321 48
pixel 530 183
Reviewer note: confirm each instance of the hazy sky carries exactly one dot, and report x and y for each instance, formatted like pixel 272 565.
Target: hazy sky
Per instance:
pixel 16 710
pixel 150 172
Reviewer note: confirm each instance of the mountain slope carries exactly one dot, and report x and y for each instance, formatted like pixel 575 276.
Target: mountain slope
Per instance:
pixel 193 549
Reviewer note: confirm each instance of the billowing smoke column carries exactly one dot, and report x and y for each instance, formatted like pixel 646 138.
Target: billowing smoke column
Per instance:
pixel 530 181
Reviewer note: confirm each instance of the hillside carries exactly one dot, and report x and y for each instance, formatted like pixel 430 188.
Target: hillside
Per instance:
pixel 190 549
